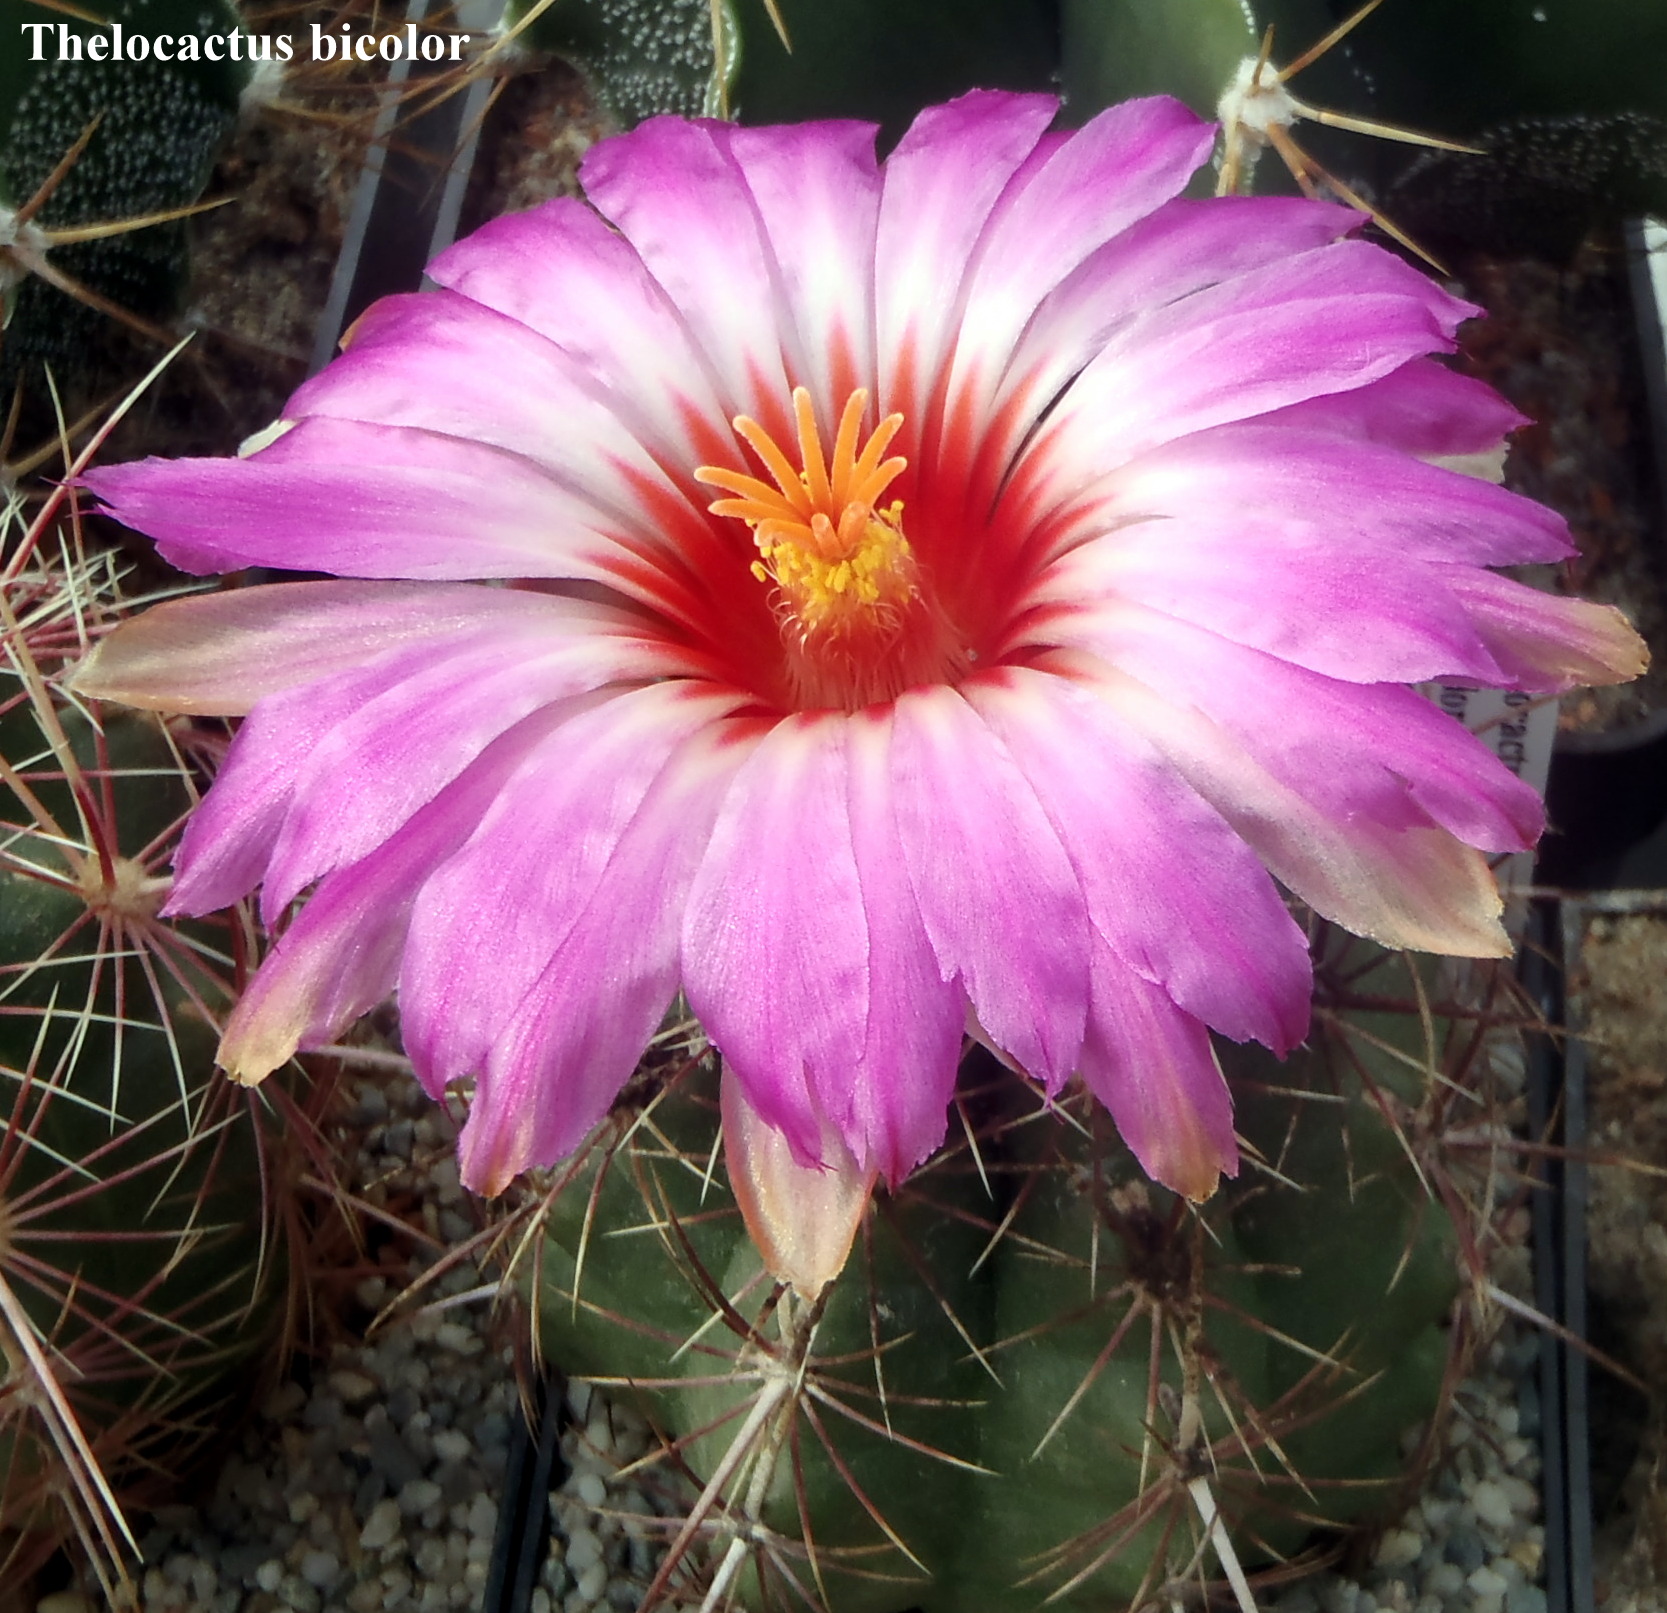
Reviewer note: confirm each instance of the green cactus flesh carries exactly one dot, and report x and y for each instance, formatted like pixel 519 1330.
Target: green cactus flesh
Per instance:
pixel 1037 1371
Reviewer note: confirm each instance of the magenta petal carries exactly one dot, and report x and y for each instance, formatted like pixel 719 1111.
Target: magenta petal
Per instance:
pixel 439 362
pixel 1293 484
pixel 891 1106
pixel 1422 408
pixel 817 191
pixel 1065 203
pixel 1544 643
pixel 675 193
pixel 228 840
pixel 1322 322
pixel 940 186
pixel 557 1060
pixel 1177 250
pixel 489 922
pixel 1364 614
pixel 1313 796
pixel 382 761
pixel 322 772
pixel 1318 735
pixel 1174 893
pixel 1153 1067
pixel 367 501
pixel 561 271
pixel 1000 899
pixel 341 955
pixel 805 958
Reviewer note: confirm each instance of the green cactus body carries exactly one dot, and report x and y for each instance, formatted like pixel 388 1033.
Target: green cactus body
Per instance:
pixel 1042 1385
pixel 1114 49
pixel 138 1274
pixel 886 59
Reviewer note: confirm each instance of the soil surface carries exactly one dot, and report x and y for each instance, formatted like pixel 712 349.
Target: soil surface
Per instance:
pixel 1619 993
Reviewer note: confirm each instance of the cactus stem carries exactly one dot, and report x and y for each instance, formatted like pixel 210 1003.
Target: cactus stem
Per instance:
pixel 930 1282
pixel 1091 1375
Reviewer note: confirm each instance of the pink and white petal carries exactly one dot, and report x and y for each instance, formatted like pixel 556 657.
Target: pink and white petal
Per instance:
pixel 341 955
pixel 1174 893
pixel 892 1109
pixel 373 501
pixel 552 1071
pixel 1319 735
pixel 813 972
pixel 1063 205
pixel 439 362
pixel 1547 644
pixel 562 272
pixel 1385 872
pixel 1322 322
pixel 220 654
pixel 294 741
pixel 1000 899
pixel 674 191
pixel 1181 248
pixel 228 839
pixel 381 762
pixel 489 922
pixel 1153 1067
pixel 1296 481
pixel 801 1219
pixel 940 185
pixel 1367 616
pixel 817 189
pixel 776 956
pixel 1422 408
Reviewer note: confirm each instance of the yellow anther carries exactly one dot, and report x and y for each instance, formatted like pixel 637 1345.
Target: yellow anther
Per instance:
pixel 837 562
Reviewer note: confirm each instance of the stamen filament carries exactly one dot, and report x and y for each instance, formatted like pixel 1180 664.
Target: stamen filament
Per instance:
pixel 775 461
pixel 810 450
pixel 845 445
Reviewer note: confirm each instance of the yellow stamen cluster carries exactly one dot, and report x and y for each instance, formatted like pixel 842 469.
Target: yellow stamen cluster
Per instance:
pixel 836 559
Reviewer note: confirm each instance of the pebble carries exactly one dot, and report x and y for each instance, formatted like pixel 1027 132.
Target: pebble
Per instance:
pixel 320 1569
pixel 381 1527
pixel 418 1496
pixel 374 1485
pixel 1492 1504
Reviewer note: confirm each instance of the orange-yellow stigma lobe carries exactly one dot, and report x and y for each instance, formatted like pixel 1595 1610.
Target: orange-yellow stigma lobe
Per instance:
pixel 838 562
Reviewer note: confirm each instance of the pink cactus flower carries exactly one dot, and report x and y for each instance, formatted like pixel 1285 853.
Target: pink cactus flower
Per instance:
pixel 876 600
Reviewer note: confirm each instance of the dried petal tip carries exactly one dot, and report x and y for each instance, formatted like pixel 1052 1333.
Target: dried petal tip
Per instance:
pixel 803 1218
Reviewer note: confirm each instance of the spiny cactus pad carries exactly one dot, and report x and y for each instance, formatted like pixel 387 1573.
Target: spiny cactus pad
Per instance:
pixel 1040 1379
pixel 138 1272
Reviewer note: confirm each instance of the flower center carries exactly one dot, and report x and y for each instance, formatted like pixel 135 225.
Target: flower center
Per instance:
pixel 838 562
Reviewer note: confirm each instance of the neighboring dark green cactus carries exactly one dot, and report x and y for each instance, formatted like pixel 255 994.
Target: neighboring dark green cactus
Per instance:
pixel 643 56
pixel 138 1273
pixel 1040 1371
pixel 878 59
pixel 159 125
